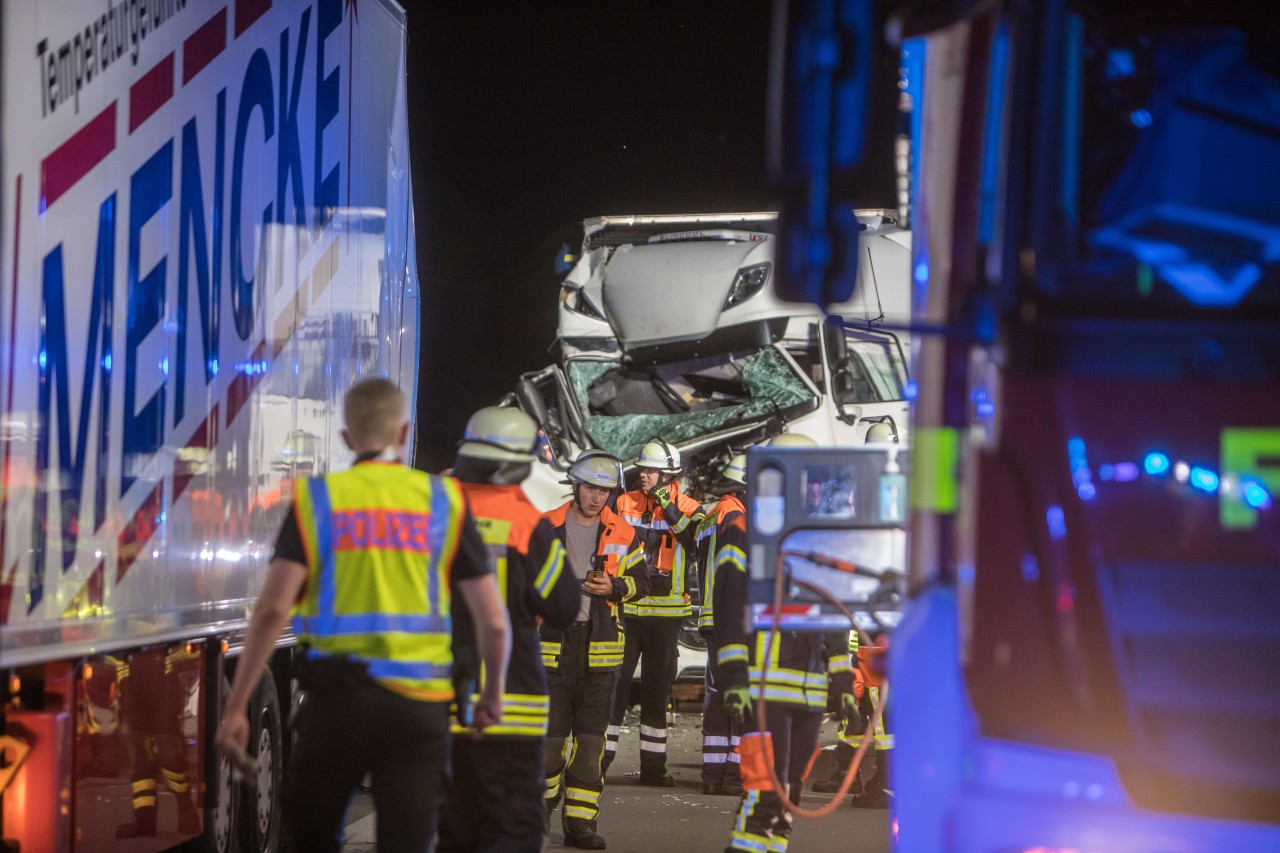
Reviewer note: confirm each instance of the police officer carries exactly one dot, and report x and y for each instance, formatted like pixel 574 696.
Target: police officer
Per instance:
pixel 668 522
pixel 495 798
pixel 605 555
pixel 795 687
pixel 371 557
pixel 720 773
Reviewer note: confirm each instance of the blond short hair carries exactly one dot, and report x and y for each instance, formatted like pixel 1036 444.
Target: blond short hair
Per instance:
pixel 374 410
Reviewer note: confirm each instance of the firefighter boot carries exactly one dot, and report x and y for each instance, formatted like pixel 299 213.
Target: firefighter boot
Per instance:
pixel 844 758
pixel 875 796
pixel 582 834
pixel 143 824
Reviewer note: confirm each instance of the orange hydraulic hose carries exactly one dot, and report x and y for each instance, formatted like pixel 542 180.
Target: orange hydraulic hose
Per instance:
pixel 774 631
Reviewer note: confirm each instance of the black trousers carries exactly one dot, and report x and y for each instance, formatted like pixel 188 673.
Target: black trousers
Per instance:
pixel 761 819
pixel 719 761
pixel 495 798
pixel 354 727
pixel 572 759
pixel 653 640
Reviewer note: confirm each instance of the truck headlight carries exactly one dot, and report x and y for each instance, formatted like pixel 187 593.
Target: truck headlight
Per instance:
pixel 747 283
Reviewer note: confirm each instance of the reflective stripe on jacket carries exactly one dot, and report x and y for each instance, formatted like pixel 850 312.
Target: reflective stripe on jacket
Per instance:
pixel 668 548
pixel 620 555
pixel 380 540
pixel 708 535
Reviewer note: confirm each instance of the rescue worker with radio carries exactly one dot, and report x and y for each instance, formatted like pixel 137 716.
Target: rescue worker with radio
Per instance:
pixel 668 524
pixel 370 560
pixel 606 557
pixel 720 761
pixel 495 800
pixel 795 687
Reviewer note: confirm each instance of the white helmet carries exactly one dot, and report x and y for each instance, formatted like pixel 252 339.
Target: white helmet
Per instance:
pixel 596 468
pixel 791 439
pixel 736 470
pixel 881 432
pixel 500 433
pixel 658 454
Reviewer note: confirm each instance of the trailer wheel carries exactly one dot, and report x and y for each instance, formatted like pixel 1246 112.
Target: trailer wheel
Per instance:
pixel 260 806
pixel 221 801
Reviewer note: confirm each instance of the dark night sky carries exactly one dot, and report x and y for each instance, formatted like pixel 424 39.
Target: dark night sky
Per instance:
pixel 528 117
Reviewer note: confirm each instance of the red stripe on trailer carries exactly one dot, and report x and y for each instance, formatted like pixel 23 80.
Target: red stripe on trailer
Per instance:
pixel 204 45
pixel 150 92
pixel 6 593
pixel 73 159
pixel 248 11
pixel 139 530
pixel 205 437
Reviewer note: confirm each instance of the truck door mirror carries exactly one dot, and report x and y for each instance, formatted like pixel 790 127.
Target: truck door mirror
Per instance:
pixel 530 399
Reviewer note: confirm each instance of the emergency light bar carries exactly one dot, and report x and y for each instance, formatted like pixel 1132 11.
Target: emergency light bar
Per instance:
pixel 833 521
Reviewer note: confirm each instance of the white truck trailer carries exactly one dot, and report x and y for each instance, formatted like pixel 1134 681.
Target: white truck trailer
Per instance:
pixel 206 234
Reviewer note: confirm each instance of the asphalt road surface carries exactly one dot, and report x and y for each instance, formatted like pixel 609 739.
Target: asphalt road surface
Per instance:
pixel 634 819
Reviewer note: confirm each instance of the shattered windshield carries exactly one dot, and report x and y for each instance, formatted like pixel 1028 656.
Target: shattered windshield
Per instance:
pixel 623 407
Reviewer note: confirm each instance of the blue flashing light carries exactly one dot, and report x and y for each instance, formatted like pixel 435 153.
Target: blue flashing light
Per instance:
pixel 1057 522
pixel 911 389
pixel 1254 494
pixel 106 362
pixel 1204 479
pixel 43 358
pixel 1121 63
pixel 922 272
pixel 164 367
pixel 1030 568
pixel 1140 118
pixel 1156 464
pixel 986 409
pixel 213 366
pixel 1080 474
pixel 1106 472
pixel 1126 472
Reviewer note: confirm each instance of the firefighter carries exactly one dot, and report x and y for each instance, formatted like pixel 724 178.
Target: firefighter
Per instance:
pixel 668 522
pixel 495 797
pixel 795 688
pixel 154 685
pixel 605 555
pixel 370 559
pixel 720 773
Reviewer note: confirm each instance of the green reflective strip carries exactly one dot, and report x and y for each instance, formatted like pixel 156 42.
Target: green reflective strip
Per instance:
pixel 1247 453
pixel 550 571
pixel 935 455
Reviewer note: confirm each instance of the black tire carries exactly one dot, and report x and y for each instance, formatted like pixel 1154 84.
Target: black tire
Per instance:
pixel 260 805
pixel 221 797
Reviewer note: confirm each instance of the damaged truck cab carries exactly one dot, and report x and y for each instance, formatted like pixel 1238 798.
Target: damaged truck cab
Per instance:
pixel 670 326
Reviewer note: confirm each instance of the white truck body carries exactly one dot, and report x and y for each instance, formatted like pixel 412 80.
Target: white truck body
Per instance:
pixel 206 235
